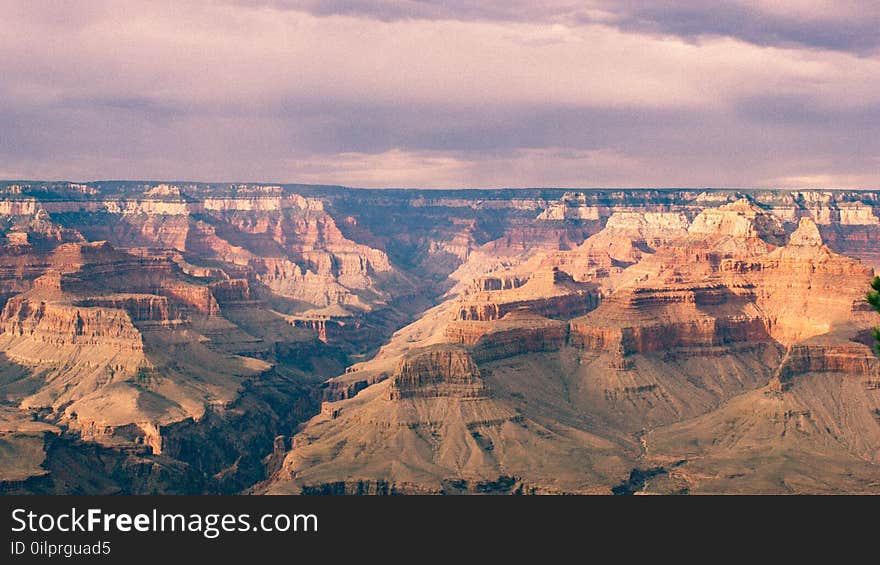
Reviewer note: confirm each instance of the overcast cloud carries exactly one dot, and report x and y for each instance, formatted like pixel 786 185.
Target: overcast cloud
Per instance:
pixel 444 94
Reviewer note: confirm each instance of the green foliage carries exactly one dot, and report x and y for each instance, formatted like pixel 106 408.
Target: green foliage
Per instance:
pixel 874 295
pixel 874 300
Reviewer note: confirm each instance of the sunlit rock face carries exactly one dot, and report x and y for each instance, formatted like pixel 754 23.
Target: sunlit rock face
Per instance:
pixel 159 337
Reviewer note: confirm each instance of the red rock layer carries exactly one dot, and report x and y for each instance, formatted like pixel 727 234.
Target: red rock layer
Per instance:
pixel 140 307
pixel 437 371
pixel 646 319
pixel 849 358
pixel 230 291
pixel 62 324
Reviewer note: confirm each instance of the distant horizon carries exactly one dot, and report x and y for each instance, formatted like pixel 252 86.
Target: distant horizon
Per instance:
pixel 438 188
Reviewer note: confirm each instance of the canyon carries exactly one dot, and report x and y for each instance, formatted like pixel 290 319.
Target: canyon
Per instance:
pixel 301 339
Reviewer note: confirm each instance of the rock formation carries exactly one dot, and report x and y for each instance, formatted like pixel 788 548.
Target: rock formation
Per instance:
pixel 551 293
pixel 182 338
pixel 685 318
pixel 436 371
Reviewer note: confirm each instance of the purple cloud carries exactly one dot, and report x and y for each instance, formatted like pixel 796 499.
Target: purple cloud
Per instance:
pixel 843 25
pixel 431 94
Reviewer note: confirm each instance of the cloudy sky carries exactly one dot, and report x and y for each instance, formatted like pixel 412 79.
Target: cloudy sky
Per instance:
pixel 457 93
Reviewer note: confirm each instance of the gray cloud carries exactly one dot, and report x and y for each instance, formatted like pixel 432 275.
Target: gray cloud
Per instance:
pixel 491 10
pixel 761 140
pixel 405 94
pixel 854 29
pixel 856 32
pixel 331 127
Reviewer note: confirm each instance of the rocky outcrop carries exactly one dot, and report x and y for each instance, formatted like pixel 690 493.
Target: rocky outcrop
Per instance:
pixel 626 238
pixel 848 358
pixel 805 289
pixel 287 279
pixel 140 307
pixel 663 337
pixel 740 219
pixel 651 319
pixel 441 371
pixel 197 298
pixel 327 328
pixel 231 291
pixel 787 294
pixel 337 389
pixel 548 293
pixel 61 324
pixel 519 337
pixel 97 268
pixel 514 334
pixel 18 206
pixel 288 242
pixel 653 228
pixel 41 231
pixel 563 306
pixel 144 437
pixel 300 252
pixel 572 206
pixel 857 214
pixel 498 282
pixel 467 332
pixel 806 235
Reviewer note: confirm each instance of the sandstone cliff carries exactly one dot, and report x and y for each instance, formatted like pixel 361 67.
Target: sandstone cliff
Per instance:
pixel 163 337
pixel 684 318
pixel 550 293
pixel 436 371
